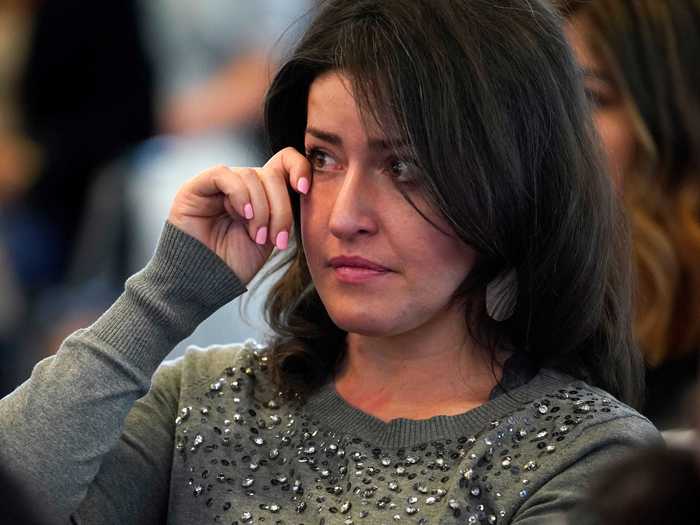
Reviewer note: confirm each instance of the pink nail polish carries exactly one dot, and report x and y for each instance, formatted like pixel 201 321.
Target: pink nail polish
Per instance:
pixel 282 240
pixel 303 185
pixel 248 211
pixel 261 236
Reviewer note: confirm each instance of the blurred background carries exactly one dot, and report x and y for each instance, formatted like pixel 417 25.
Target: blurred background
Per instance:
pixel 106 108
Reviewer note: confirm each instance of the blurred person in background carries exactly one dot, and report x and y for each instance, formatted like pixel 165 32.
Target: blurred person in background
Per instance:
pixel 213 61
pixel 640 67
pixel 657 486
pixel 80 94
pixel 18 157
pixel 18 162
pixel 84 98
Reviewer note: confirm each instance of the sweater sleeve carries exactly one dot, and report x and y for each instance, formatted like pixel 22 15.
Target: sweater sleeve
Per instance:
pixel 133 480
pixel 563 492
pixel 67 422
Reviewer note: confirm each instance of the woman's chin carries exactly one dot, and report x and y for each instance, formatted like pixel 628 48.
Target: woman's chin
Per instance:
pixel 364 323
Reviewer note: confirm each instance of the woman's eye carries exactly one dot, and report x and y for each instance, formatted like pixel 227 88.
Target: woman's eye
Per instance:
pixel 320 160
pixel 598 99
pixel 402 170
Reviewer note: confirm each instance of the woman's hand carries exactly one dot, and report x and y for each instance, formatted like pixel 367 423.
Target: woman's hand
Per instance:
pixel 241 213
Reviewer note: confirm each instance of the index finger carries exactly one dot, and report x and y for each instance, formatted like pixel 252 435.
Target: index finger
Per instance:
pixel 293 166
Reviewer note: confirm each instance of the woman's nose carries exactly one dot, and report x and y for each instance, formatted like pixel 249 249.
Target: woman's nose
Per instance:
pixel 353 211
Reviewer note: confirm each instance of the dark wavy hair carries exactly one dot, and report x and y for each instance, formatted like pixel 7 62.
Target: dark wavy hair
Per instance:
pixel 487 95
pixel 651 49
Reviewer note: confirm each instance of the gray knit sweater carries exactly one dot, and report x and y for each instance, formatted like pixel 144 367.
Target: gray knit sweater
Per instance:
pixel 96 437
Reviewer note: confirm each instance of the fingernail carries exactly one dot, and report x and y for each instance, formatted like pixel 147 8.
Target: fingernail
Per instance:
pixel 248 211
pixel 303 185
pixel 282 240
pixel 261 236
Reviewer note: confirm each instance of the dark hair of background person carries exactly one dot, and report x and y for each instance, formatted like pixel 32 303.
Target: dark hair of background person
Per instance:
pixel 651 48
pixel 86 97
pixel 651 487
pixel 487 96
pixel 18 507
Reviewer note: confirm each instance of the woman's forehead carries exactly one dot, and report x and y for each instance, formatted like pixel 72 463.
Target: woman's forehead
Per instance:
pixel 334 109
pixel 331 93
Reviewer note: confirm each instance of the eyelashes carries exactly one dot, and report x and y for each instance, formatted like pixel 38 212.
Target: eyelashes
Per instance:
pixel 404 170
pixel 600 98
pixel 401 170
pixel 318 159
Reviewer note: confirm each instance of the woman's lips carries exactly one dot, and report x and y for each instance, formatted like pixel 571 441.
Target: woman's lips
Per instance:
pixel 355 261
pixel 353 269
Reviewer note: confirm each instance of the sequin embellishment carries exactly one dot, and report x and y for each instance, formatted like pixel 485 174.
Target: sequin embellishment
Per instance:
pixel 250 459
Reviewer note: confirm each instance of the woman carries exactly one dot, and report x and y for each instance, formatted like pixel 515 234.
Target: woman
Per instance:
pixel 640 70
pixel 454 304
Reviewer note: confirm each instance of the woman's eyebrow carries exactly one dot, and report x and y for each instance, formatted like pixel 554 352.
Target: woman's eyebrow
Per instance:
pixel 331 138
pixel 374 144
pixel 387 144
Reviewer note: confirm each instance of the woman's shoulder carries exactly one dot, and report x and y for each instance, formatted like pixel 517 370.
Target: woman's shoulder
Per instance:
pixel 210 358
pixel 214 366
pixel 565 405
pixel 564 433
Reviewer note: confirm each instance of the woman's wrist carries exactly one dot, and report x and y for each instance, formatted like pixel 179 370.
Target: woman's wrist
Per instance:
pixel 182 285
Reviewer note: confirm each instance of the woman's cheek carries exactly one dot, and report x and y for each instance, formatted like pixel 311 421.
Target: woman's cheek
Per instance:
pixel 617 134
pixel 313 214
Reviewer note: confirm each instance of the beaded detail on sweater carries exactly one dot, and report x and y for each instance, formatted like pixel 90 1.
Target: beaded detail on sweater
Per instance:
pixel 275 458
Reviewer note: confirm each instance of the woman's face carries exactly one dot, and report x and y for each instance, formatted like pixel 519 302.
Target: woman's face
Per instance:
pixel 611 113
pixel 379 267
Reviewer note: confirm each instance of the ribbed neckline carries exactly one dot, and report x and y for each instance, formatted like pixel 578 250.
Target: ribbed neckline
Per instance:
pixel 330 408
